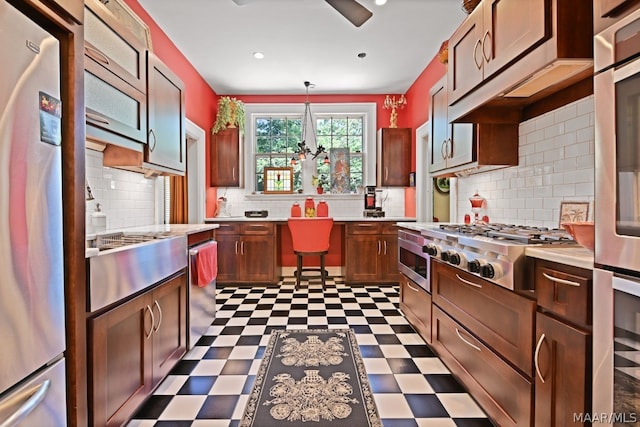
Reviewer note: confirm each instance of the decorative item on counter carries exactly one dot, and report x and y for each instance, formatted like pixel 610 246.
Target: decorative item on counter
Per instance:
pixel 467 219
pixel 99 220
pixel 394 105
pixel 443 53
pixel 230 114
pixel 222 208
pixel 582 232
pixel 477 203
pixel 322 209
pixel 320 182
pixel 296 210
pixel 309 208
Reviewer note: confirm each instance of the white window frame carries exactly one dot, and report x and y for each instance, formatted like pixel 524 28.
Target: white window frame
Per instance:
pixel 366 109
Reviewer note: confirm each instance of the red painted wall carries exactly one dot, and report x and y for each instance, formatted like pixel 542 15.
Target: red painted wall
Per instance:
pixel 418 99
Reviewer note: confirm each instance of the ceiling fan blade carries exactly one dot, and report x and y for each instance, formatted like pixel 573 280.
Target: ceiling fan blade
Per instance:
pixel 352 10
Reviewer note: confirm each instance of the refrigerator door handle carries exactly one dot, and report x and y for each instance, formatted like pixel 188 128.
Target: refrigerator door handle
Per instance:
pixel 33 395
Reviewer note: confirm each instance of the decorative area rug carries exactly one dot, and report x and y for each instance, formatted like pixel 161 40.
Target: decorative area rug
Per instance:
pixel 311 377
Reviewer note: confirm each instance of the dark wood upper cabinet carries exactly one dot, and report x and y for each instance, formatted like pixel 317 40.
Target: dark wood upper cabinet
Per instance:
pixel 394 157
pixel 225 158
pixel 511 54
pixel 166 143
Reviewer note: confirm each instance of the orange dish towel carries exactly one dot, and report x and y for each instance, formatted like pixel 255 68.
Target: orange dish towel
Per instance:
pixel 207 264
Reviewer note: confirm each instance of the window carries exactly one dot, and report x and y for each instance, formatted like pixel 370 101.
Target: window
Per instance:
pixel 277 140
pixel 347 131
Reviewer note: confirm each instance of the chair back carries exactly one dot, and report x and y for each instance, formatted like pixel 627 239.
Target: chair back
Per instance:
pixel 310 234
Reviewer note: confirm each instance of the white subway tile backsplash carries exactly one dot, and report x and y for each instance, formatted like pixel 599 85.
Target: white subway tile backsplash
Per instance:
pixel 127 198
pixel 556 163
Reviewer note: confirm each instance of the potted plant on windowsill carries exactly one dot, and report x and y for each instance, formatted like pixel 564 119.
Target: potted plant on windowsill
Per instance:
pixel 321 183
pixel 230 114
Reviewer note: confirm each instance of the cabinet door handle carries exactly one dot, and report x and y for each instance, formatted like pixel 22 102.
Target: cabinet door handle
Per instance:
pixel 386 173
pixel 443 150
pixel 487 34
pixel 233 173
pixel 96 118
pixel 562 281
pixel 379 247
pixel 384 242
pixel 411 287
pixel 365 225
pixel 536 357
pixel 155 140
pixel 97 55
pixel 242 248
pixel 449 148
pixel 475 285
pixel 155 303
pixel 236 247
pixel 475 54
pixel 470 344
pixel 153 321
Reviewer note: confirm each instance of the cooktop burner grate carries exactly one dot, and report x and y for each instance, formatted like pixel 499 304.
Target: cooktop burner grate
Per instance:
pixel 507 232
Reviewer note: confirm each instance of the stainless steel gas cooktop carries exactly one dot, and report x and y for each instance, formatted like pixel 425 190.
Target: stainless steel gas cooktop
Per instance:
pixel 495 252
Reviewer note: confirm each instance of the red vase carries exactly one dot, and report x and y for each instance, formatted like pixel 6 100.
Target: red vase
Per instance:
pixel 296 211
pixel 322 209
pixel 320 190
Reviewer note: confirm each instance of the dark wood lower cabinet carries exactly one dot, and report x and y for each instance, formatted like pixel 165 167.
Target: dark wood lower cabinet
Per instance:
pixel 415 304
pixel 562 383
pixel 504 393
pixel 247 253
pixel 132 347
pixel 371 252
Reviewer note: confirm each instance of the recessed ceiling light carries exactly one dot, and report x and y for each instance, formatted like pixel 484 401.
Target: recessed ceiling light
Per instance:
pixel 380 2
pixel 362 55
pixel 258 55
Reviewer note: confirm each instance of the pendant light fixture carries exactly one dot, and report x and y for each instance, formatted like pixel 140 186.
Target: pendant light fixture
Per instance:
pixel 307 120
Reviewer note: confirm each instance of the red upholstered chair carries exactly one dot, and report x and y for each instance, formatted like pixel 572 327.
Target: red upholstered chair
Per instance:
pixel 310 236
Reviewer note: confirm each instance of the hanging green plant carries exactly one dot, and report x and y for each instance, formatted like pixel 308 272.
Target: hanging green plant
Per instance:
pixel 230 114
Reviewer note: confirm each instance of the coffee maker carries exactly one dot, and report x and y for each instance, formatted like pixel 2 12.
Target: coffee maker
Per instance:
pixel 372 202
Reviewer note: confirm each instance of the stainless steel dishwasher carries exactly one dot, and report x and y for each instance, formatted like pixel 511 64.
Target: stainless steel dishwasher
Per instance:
pixel 202 299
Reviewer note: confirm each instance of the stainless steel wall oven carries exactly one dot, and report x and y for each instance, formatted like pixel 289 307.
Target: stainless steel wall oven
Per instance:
pixel 616 315
pixel 412 261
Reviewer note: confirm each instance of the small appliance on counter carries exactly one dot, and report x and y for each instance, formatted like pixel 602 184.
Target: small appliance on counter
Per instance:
pixel 372 202
pixel 256 214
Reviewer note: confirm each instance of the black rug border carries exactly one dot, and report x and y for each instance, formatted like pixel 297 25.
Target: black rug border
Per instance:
pixel 369 404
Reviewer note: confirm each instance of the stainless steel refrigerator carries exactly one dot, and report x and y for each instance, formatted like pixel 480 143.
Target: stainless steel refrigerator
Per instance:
pixel 32 334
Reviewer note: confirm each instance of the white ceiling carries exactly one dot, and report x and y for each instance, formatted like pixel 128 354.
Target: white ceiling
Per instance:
pixel 306 40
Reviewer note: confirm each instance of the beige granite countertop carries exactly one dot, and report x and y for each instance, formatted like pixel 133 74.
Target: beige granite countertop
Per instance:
pixel 576 256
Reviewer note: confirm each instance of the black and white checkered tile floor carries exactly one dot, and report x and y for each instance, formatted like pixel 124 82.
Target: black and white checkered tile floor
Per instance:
pixel 210 386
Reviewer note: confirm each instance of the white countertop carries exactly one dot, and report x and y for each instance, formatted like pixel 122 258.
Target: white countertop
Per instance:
pixel 284 219
pixel 576 256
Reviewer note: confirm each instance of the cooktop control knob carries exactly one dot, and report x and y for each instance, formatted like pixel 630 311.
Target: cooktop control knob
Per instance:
pixel 431 249
pixel 474 266
pixel 490 271
pixel 458 259
pixel 444 256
